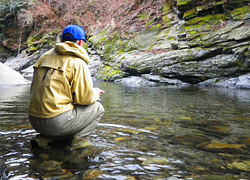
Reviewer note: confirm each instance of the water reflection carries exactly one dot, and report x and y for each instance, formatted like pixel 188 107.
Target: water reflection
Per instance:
pixel 146 133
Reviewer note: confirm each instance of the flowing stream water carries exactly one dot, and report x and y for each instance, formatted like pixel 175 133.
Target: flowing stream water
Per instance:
pixel 158 132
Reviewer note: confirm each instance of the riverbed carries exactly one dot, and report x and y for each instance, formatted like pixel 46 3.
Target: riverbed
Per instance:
pixel 158 132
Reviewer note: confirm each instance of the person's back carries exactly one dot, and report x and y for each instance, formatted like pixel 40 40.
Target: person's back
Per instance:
pixel 61 84
pixel 55 76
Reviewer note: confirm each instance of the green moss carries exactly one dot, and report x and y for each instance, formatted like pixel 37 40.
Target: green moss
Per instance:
pixel 188 58
pixel 197 26
pixel 193 32
pixel 143 16
pixel 219 3
pixel 101 38
pixel 112 43
pixel 171 39
pixel 145 70
pixel 108 73
pixel 158 25
pixel 155 27
pixel 85 46
pixel 209 19
pixel 149 23
pixel 247 53
pixel 240 13
pixel 104 38
pixel 165 9
pixel 38 41
pixel 182 63
pixel 189 14
pixel 183 2
pixel 165 19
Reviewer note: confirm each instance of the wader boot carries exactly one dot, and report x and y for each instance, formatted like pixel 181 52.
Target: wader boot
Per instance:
pixel 41 141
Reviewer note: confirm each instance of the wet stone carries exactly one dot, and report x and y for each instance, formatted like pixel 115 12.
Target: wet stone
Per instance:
pixel 218 130
pixel 215 177
pixel 245 141
pixel 190 140
pixel 239 165
pixel 123 139
pixel 153 160
pixel 215 146
pixel 92 174
pixel 130 131
pixel 50 165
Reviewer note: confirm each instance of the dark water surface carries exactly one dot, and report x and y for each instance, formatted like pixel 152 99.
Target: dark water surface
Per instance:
pixel 146 133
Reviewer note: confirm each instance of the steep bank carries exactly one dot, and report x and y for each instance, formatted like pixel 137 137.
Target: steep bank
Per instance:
pixel 205 44
pixel 194 42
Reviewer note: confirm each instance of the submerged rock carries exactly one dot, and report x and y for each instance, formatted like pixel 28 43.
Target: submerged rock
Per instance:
pixel 190 140
pixel 215 146
pixel 92 174
pixel 153 160
pixel 50 165
pixel 134 81
pixel 239 165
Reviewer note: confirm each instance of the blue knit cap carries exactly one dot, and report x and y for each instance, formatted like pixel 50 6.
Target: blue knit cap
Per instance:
pixel 77 33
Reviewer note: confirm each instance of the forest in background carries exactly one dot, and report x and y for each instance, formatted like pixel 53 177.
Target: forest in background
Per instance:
pixel 24 19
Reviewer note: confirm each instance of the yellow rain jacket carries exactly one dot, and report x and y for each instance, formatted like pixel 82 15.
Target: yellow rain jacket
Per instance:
pixel 61 79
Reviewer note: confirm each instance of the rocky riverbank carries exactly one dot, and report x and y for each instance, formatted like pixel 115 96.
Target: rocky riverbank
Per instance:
pixel 204 44
pixel 207 45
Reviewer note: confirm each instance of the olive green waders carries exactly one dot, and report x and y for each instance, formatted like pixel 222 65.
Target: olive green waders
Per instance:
pixel 80 122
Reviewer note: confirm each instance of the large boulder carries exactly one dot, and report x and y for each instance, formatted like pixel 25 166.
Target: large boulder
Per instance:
pixel 8 76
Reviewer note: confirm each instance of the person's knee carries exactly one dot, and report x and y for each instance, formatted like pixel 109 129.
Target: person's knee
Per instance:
pixel 100 108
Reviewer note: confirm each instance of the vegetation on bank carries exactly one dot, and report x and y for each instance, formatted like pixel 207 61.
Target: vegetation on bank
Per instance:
pixel 34 24
pixel 25 22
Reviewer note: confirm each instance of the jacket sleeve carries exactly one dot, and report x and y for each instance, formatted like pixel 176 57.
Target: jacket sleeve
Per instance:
pixel 82 85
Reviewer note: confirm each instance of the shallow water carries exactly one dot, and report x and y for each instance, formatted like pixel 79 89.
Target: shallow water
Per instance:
pixel 146 133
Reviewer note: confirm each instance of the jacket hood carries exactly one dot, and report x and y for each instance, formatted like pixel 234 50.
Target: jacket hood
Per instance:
pixel 70 48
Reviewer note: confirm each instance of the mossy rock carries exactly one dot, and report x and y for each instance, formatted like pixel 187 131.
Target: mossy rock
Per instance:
pixel 153 160
pixel 241 13
pixel 123 139
pixel 109 43
pixel 99 38
pixel 39 41
pixel 231 5
pixel 190 14
pixel 184 5
pixel 92 174
pixel 239 165
pixel 216 177
pixel 108 73
pixel 209 19
pixel 50 165
pixel 215 146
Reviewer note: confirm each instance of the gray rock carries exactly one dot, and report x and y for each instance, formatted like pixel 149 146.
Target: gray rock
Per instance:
pixel 135 81
pixel 23 60
pixel 222 34
pixel 242 32
pixel 8 76
pixel 160 79
pixel 243 82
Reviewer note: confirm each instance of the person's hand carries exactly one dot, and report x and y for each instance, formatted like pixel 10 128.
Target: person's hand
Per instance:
pixel 99 91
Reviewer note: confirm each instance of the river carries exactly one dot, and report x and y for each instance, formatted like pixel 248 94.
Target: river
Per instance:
pixel 159 132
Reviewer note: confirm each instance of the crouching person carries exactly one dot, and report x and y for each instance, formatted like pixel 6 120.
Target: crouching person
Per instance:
pixel 63 101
